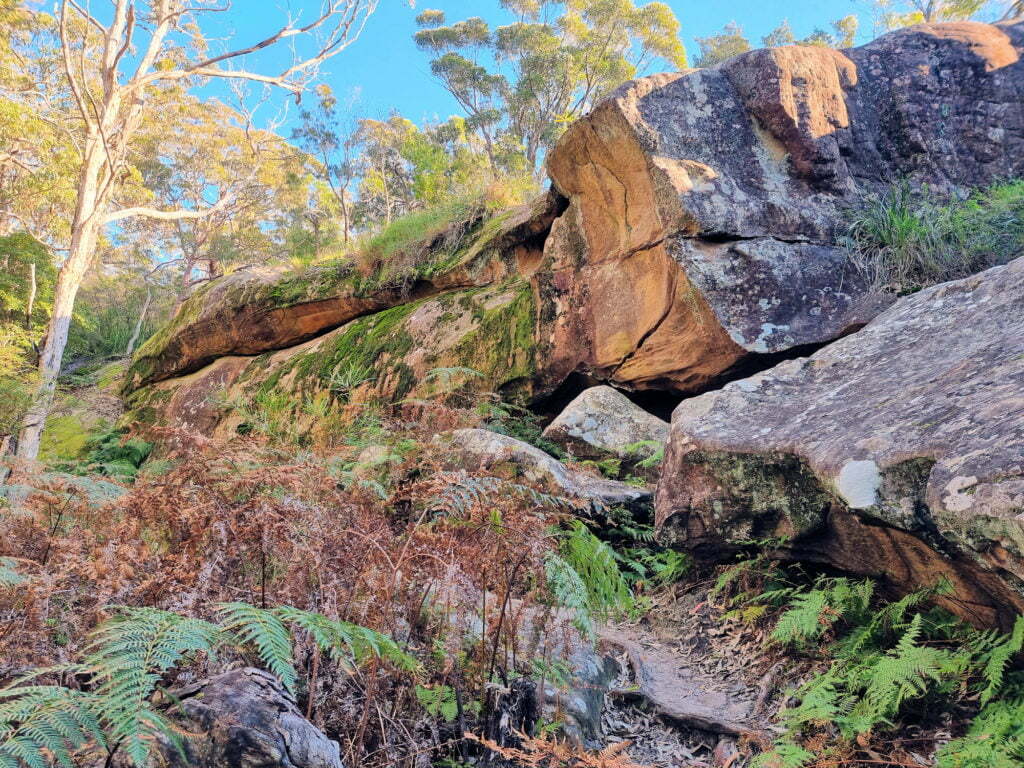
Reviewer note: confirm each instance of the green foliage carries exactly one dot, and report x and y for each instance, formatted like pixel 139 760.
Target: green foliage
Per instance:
pixel 651 453
pixel 907 239
pixel 127 657
pixel 548 67
pixel 718 48
pixel 342 639
pixel 438 701
pixel 888 660
pixel 106 313
pixel 111 454
pixel 127 660
pixel 264 631
pixel 584 578
pixel 45 724
pixel 995 738
pixel 812 613
pixel 20 254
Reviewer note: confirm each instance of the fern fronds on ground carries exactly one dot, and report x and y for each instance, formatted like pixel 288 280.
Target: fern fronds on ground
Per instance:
pixel 994 740
pixel 127 659
pixel 42 724
pixel 127 656
pixel 569 591
pixel 462 491
pixel 888 660
pixel 336 638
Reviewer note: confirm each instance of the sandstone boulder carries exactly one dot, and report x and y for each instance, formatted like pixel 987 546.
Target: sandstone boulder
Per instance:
pixel 601 421
pixel 259 309
pixel 896 452
pixel 474 340
pixel 247 720
pixel 694 232
pixel 483 449
pixel 707 207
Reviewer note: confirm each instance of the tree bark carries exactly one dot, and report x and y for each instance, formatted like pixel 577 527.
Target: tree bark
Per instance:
pixel 31 296
pixel 84 230
pixel 138 323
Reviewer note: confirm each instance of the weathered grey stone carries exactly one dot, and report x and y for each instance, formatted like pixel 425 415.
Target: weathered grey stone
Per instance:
pixel 601 421
pixel 896 451
pixel 481 448
pixel 707 207
pixel 248 720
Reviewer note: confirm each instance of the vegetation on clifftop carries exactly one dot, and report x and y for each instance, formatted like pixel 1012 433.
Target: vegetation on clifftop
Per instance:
pixel 908 239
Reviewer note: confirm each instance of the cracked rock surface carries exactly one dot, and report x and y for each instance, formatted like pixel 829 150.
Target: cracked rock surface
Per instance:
pixel 707 207
pixel 895 452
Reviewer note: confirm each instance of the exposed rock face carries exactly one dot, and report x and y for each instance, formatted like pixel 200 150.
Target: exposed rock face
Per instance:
pixel 483 449
pixel 694 229
pixel 602 421
pixel 479 339
pixel 249 721
pixel 707 206
pixel 255 310
pixel 897 451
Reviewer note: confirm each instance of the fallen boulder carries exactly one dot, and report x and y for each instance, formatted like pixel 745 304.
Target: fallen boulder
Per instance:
pixel 897 452
pixel 246 719
pixel 483 449
pixel 602 422
pixel 707 207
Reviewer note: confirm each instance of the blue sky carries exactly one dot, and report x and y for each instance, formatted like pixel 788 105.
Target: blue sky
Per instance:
pixel 386 71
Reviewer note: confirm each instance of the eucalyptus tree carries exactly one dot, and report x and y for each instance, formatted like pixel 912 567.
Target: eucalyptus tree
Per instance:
pixel 520 84
pixel 843 34
pixel 330 138
pixel 714 49
pixel 113 63
pixel 892 14
pixel 214 146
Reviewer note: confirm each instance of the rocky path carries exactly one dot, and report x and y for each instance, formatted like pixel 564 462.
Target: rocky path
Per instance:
pixel 668 678
pixel 694 686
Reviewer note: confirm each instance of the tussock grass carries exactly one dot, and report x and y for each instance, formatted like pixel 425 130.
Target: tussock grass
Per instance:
pixel 908 239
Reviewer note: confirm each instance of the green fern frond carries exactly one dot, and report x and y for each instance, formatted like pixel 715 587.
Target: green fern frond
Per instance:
pixel 265 632
pixel 784 754
pixel 805 620
pixel 996 660
pixel 569 591
pixel 449 373
pixel 43 724
pixel 994 740
pixel 357 643
pixel 597 566
pixel 127 656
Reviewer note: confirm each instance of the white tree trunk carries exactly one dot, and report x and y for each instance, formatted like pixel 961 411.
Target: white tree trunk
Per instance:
pixel 84 230
pixel 138 323
pixel 31 297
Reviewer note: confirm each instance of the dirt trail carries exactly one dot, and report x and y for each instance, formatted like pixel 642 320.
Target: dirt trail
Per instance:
pixel 670 680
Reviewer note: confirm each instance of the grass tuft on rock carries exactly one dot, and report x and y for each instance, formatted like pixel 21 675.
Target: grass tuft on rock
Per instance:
pixel 907 239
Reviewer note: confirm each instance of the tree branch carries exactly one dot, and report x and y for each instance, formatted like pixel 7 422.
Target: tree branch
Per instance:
pixel 159 215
